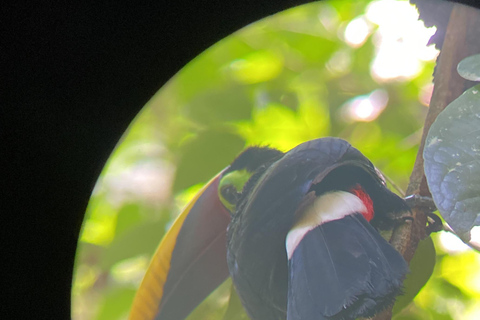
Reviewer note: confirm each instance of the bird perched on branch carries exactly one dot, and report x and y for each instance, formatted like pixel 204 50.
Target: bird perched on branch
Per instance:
pixel 296 231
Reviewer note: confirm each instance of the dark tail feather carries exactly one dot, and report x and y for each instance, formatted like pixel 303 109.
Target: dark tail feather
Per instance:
pixel 343 269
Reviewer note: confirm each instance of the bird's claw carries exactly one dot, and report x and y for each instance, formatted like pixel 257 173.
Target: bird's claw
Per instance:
pixel 434 223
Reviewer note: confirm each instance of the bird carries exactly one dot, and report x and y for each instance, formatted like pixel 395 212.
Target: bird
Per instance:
pixel 299 233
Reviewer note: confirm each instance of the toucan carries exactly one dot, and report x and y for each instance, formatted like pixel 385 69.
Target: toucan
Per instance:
pixel 298 233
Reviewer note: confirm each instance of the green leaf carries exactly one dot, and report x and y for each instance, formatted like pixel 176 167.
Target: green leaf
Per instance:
pixel 280 127
pixel 235 310
pixel 421 268
pixel 469 68
pixel 259 66
pixel 140 239
pixel 116 304
pixel 452 162
pixel 466 268
pixel 311 48
pixel 128 216
pixel 204 156
pixel 221 104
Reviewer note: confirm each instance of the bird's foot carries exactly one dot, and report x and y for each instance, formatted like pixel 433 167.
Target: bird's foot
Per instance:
pixel 434 223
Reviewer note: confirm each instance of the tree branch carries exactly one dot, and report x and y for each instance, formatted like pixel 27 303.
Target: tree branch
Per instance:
pixel 461 40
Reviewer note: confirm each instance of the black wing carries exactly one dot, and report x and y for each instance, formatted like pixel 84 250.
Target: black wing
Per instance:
pixel 343 264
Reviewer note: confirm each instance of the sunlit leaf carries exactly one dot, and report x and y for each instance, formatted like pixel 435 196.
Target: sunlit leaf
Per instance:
pixel 85 277
pixel 130 270
pixel 99 227
pixel 469 68
pixel 283 128
pixel 257 67
pixel 186 195
pixel 463 271
pixel 452 162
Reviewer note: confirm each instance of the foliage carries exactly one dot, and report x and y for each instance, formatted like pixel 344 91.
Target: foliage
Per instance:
pixel 469 68
pixel 292 77
pixel 452 162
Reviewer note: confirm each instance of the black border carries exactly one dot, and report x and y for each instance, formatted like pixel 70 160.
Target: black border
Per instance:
pixel 74 76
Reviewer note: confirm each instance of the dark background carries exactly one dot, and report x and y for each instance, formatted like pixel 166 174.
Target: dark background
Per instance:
pixel 73 77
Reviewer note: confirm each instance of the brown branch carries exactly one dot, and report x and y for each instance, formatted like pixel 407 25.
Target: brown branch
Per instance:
pixel 461 40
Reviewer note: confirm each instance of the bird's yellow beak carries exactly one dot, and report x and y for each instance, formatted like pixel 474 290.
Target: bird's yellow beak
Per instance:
pixel 190 261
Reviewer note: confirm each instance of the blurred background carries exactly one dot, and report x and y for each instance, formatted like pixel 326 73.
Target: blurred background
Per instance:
pixel 358 70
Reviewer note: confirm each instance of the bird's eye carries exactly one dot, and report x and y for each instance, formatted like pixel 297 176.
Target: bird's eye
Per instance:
pixel 230 194
pixel 230 188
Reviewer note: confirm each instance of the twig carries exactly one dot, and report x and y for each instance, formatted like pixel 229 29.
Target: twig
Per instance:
pixel 393 184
